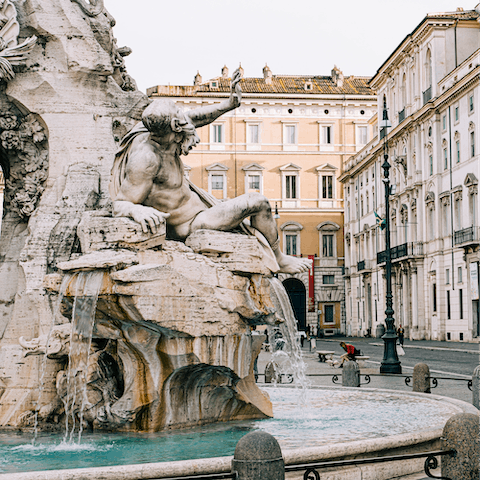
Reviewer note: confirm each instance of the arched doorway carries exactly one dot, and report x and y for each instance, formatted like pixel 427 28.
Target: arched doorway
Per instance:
pixel 298 297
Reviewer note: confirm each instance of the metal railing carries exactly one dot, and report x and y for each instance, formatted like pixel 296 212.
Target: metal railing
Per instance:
pixel 431 463
pixel 427 95
pixel 401 116
pixel 467 235
pixel 410 249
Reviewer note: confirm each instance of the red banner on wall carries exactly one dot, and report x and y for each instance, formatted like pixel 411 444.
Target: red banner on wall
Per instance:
pixel 311 285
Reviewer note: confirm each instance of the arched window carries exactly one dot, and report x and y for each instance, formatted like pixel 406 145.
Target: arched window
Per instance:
pixel 291 237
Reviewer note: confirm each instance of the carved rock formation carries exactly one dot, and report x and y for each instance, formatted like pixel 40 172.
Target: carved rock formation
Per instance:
pixel 174 347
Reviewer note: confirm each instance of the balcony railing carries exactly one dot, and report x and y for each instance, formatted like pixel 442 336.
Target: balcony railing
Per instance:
pixel 427 95
pixel 467 235
pixel 401 116
pixel 411 249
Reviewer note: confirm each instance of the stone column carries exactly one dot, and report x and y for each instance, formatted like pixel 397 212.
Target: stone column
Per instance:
pixel 476 387
pixel 421 378
pixel 414 301
pixel 351 374
pixel 461 434
pixel 405 300
pixel 258 457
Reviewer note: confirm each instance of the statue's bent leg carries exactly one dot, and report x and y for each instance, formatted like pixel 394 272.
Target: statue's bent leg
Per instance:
pixel 229 214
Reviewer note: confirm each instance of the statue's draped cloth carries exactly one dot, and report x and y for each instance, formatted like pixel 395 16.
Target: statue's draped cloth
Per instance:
pixel 118 174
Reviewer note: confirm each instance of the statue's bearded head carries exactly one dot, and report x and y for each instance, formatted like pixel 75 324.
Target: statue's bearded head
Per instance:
pixel 162 117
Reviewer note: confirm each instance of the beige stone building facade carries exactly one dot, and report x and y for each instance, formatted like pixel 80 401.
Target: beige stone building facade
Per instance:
pixel 288 140
pixel 430 85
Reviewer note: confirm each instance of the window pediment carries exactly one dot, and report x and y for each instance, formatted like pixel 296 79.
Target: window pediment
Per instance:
pixel 429 197
pixel 327 167
pixel 291 227
pixel 253 167
pixel 290 166
pixel 470 180
pixel 217 167
pixel 328 226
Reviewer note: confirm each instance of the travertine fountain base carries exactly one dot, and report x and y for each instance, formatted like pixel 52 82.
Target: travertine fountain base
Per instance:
pixel 171 345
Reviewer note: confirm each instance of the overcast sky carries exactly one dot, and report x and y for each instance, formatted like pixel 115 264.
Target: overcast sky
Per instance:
pixel 172 39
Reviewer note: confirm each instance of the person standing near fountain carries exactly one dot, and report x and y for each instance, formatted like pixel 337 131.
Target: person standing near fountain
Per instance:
pixel 149 186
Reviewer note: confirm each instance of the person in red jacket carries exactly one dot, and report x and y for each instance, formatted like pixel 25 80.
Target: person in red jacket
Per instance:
pixel 351 353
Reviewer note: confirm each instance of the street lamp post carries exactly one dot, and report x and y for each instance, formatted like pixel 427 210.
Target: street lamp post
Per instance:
pixel 390 362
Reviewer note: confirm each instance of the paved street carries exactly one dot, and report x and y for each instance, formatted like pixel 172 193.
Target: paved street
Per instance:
pixel 444 360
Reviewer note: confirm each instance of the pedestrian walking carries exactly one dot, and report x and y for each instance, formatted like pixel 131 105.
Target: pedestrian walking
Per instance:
pixel 401 335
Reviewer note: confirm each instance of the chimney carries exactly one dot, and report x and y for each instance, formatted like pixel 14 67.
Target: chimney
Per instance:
pixel 198 79
pixel 337 77
pixel 224 72
pixel 267 75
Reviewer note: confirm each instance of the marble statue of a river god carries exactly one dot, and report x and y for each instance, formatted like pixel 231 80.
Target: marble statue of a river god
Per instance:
pixel 127 295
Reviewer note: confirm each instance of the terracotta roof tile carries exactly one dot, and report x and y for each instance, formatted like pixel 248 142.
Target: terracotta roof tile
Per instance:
pixel 285 84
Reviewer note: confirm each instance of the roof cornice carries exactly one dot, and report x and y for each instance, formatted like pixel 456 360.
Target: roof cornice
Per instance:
pixel 428 24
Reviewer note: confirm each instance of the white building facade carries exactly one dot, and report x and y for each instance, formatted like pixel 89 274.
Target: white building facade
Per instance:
pixel 430 86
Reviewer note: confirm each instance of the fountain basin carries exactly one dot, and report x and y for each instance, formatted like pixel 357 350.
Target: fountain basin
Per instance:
pixel 336 423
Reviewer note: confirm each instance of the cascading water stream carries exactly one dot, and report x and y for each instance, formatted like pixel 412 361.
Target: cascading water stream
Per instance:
pixel 83 317
pixel 43 367
pixel 287 358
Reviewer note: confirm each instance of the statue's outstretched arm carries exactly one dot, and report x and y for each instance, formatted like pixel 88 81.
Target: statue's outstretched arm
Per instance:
pixel 205 115
pixel 135 190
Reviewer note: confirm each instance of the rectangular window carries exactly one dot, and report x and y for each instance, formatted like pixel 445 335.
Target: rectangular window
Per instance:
pixel 445 159
pixel 217 133
pixel 444 122
pixel 362 135
pixel 470 103
pixel 327 246
pixel 291 186
pixel 327 186
pixel 291 244
pixel 329 279
pixel 290 134
pixel 456 114
pixel 449 316
pixel 430 160
pixel 254 182
pixel 434 297
pixel 460 274
pixel 217 182
pixel 253 134
pixel 447 276
pixel 460 298
pixel 457 146
pixel 327 134
pixel 472 144
pixel 329 314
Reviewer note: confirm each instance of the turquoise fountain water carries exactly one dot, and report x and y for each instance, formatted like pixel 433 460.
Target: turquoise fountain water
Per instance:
pixel 329 416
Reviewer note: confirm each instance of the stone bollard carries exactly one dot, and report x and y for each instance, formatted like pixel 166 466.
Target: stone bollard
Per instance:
pixel 461 434
pixel 271 375
pixel 258 457
pixel 476 387
pixel 421 378
pixel 351 374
